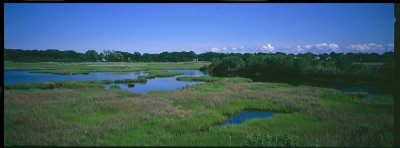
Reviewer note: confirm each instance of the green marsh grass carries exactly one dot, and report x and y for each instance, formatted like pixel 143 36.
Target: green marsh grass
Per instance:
pixel 86 67
pixel 306 116
pixel 61 84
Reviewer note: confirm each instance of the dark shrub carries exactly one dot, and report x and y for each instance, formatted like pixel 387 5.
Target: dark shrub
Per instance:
pixel 131 85
pixel 114 87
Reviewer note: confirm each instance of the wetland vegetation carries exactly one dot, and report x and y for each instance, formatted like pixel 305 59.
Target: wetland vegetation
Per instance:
pixel 188 107
pixel 307 116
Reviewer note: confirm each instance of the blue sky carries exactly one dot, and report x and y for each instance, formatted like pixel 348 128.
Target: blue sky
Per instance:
pixel 154 28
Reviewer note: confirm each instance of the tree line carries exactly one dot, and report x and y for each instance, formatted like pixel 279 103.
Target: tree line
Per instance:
pixel 54 55
pixel 279 67
pixel 350 68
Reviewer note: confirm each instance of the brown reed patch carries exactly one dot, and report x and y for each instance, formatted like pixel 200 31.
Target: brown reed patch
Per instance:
pixel 38 97
pixel 162 107
pixel 215 102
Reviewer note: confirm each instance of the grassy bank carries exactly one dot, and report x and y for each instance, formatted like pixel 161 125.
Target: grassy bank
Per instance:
pixel 307 116
pixel 159 73
pixel 62 84
pixel 196 79
pixel 86 67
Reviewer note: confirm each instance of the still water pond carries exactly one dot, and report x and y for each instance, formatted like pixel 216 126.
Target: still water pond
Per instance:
pixel 247 115
pixel 168 83
pixel 25 76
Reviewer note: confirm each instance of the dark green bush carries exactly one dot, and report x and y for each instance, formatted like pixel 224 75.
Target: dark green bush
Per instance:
pixel 203 79
pixel 131 85
pixel 114 87
pixel 138 80
pixel 125 81
pixel 359 95
pixel 47 85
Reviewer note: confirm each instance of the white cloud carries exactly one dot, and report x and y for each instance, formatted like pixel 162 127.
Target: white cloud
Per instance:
pixel 332 46
pixel 318 48
pixel 314 48
pixel 300 49
pixel 268 48
pixel 321 46
pixel 227 50
pixel 366 47
pixel 306 47
pixel 214 49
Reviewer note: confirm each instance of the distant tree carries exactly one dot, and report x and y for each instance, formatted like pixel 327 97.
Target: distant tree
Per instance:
pixel 254 63
pixel 136 57
pixel 102 57
pixel 190 56
pixel 92 55
pixel 343 62
pixel 301 65
pixel 324 57
pixel 228 66
pixel 112 56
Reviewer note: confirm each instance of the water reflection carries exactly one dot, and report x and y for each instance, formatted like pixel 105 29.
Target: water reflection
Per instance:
pixel 25 76
pixel 247 115
pixel 168 83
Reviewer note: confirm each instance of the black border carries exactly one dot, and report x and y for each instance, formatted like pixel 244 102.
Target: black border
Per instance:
pixel 396 131
pixel 2 75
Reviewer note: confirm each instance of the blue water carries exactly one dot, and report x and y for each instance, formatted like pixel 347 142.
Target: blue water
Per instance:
pixel 168 83
pixel 191 73
pixel 24 76
pixel 247 115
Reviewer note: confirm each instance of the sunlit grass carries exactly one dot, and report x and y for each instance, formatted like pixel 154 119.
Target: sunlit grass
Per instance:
pixel 86 67
pixel 307 116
